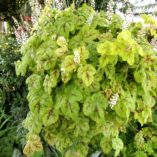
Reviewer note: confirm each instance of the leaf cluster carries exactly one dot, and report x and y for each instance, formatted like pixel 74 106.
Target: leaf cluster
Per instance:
pixel 89 79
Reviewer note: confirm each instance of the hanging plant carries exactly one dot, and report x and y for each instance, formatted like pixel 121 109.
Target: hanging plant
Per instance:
pixel 89 79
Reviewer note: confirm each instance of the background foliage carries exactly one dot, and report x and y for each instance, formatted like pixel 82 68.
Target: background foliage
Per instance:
pixel 9 8
pixel 13 106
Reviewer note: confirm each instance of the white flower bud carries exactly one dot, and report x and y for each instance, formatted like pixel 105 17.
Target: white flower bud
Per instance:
pixel 92 3
pixel 110 10
pixel 76 57
pixel 113 100
pixel 90 19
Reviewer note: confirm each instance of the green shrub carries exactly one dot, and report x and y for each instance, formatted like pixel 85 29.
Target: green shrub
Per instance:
pixel 89 80
pixel 13 107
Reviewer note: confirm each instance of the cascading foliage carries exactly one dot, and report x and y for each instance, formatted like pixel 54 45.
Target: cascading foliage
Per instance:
pixel 89 79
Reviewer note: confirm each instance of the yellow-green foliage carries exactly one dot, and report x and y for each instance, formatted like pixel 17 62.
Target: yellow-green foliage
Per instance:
pixel 89 79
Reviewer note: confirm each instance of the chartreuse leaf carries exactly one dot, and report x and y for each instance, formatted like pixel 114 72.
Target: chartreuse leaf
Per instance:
pixel 47 84
pixel 110 134
pixel 68 64
pixel 110 130
pixel 127 48
pixel 32 123
pixel 60 100
pixel 105 36
pixel 81 126
pixel 82 52
pixel 144 116
pixel 46 100
pixel 88 106
pixel 71 109
pixel 110 70
pixel 79 150
pixel 106 59
pixel 21 66
pixel 33 145
pixel 87 35
pixel 61 41
pixel 106 48
pixel 125 51
pixel 148 100
pixel 122 111
pixel 86 73
pixel 140 75
pixel 106 145
pixel 117 145
pixel 95 106
pixel 60 52
pixel 35 86
pixel 95 86
pixel 54 74
pixel 74 93
pixel 38 154
pixel 50 81
pixel 124 106
pixel 151 21
pixel 48 115
pixel 34 98
pixel 34 81
pixel 100 103
pixel 48 64
pixel 65 77
pixel 124 46
pixel 107 51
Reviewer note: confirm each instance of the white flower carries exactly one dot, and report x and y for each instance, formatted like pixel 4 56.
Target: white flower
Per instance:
pixel 76 57
pixel 90 19
pixel 110 10
pixel 18 37
pixel 61 38
pixel 129 16
pixel 96 154
pixel 125 25
pixel 113 100
pixel 92 3
pixel 59 4
pixel 21 36
pixel 16 22
pixel 24 36
pixel 63 69
pixel 36 8
pixel 77 2
pixel 61 41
